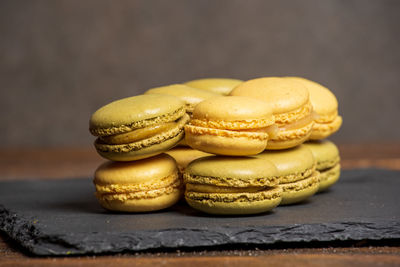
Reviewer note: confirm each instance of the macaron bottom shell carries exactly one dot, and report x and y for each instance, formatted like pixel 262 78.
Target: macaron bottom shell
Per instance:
pixel 329 177
pixel 300 190
pixel 144 204
pixel 235 203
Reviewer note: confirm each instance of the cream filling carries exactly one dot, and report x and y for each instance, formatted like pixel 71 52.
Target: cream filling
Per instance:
pixel 143 133
pixel 139 134
pixel 299 123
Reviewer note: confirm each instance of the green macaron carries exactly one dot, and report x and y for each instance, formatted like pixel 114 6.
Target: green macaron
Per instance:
pixel 232 185
pixel 328 162
pixel 138 127
pixel 297 175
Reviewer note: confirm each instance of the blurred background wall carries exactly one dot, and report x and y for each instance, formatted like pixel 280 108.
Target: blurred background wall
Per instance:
pixel 61 60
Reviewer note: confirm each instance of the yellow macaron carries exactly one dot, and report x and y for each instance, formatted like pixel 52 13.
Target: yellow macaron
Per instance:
pixel 137 186
pixel 297 173
pixel 229 125
pixel 138 127
pixel 325 106
pixel 291 107
pixel 222 86
pixel 328 162
pixel 232 185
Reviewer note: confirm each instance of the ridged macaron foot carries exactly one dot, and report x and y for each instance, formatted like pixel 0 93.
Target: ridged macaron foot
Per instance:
pixel 291 107
pixel 222 86
pixel 191 96
pixel 325 106
pixel 232 185
pixel 297 173
pixel 138 127
pixel 328 162
pixel 138 186
pixel 184 155
pixel 230 125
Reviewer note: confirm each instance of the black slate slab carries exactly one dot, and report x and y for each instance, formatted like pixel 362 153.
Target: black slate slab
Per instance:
pixel 64 218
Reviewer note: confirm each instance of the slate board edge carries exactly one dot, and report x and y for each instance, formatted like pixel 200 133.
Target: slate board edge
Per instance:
pixel 26 234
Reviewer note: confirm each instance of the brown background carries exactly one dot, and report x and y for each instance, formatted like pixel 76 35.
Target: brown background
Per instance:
pixel 61 60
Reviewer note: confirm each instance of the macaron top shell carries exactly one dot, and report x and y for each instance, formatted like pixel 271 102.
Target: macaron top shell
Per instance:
pixel 322 99
pixel 284 95
pixel 325 152
pixel 291 161
pixel 221 86
pixel 135 172
pixel 232 108
pixel 191 96
pixel 231 171
pixel 130 113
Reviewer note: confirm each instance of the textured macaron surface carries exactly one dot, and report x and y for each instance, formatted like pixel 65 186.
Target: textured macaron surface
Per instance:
pixel 231 172
pixel 135 112
pixel 135 172
pixel 233 108
pixel 283 95
pixel 191 96
pixel 221 86
pixel 292 164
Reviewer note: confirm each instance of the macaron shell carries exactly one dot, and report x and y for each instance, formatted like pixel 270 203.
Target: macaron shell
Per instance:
pixel 135 112
pixel 234 204
pixel 231 172
pixel 191 96
pixel 324 130
pixel 143 205
pixel 224 144
pixel 325 153
pixel 185 155
pixel 283 95
pixel 301 190
pixel 232 108
pixel 135 172
pixel 292 164
pixel 322 99
pixel 329 177
pixel 222 86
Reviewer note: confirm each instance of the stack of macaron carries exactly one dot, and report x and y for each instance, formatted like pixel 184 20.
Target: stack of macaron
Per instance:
pixel 230 147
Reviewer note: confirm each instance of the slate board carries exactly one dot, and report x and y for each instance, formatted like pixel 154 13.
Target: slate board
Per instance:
pixel 63 218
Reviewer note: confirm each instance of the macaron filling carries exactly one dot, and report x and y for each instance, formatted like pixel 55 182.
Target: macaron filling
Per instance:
pixel 198 130
pixel 139 134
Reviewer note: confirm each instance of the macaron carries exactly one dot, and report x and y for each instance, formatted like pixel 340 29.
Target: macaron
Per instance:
pixel 297 173
pixel 325 106
pixel 138 127
pixel 191 96
pixel 231 185
pixel 222 86
pixel 328 162
pixel 291 107
pixel 138 186
pixel 229 125
pixel 185 155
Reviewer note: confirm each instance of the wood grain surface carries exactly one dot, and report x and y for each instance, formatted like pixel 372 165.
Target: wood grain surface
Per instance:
pixel 57 163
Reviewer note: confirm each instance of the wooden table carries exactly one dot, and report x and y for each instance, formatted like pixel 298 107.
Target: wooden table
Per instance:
pixel 57 163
